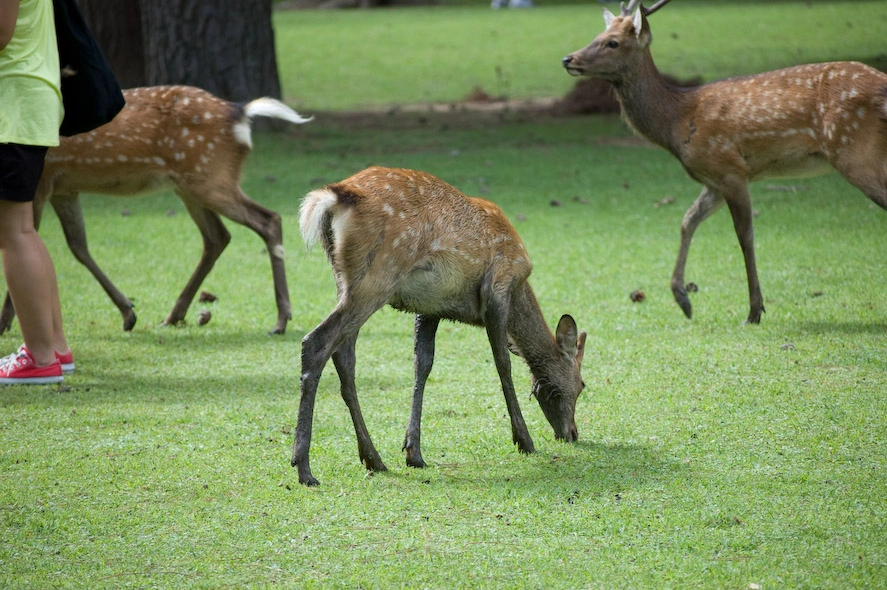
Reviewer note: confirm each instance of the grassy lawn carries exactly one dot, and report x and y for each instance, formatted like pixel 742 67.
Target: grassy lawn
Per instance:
pixel 711 454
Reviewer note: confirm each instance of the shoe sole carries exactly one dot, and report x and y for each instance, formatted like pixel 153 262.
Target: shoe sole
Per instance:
pixel 67 368
pixel 30 380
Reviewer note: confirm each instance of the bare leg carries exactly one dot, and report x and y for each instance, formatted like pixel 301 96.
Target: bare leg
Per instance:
pixel 31 281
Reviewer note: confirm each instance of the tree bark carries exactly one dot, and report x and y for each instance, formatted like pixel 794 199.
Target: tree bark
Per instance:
pixel 224 46
pixel 117 27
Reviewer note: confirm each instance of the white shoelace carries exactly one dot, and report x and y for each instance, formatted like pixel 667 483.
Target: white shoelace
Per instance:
pixel 12 359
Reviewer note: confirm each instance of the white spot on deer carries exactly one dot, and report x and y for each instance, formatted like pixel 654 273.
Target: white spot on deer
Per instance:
pixel 159 161
pixel 185 132
pixel 122 158
pixel 109 160
pixel 210 146
pixel 187 101
pixel 179 156
pixel 860 112
pixel 207 115
pixel 190 143
pixel 387 209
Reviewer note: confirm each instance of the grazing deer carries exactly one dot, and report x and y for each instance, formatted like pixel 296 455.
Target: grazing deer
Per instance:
pixel 167 137
pixel 799 121
pixel 412 241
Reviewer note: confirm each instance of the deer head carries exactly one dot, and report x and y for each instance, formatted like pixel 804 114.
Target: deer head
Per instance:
pixel 558 384
pixel 614 54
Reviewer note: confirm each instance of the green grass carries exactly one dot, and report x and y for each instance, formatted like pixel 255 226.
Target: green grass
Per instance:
pixel 711 454
pixel 353 59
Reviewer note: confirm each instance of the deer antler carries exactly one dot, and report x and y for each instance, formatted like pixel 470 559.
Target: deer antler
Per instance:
pixel 654 8
pixel 627 11
pixel 631 7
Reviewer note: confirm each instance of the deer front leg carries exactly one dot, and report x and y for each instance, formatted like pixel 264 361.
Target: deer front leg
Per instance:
pixel 426 329
pixel 740 209
pixel 6 315
pixel 67 208
pixel 344 360
pixel 215 239
pixel 495 322
pixel 702 208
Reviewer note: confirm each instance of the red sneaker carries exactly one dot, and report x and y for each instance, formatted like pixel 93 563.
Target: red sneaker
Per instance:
pixel 22 369
pixel 67 359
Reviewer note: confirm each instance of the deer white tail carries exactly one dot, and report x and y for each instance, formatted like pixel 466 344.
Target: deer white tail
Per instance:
pixel 311 213
pixel 264 107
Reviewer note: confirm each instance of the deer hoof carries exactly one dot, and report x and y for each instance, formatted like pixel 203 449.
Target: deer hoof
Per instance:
pixel 680 296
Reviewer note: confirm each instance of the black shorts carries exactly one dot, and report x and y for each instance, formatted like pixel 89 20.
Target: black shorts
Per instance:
pixel 20 170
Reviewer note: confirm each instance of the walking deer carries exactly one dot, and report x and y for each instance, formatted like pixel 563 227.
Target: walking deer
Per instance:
pixel 799 121
pixel 167 137
pixel 412 241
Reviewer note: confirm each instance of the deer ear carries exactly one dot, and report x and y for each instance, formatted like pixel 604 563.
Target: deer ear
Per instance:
pixel 581 352
pixel 642 28
pixel 608 17
pixel 567 335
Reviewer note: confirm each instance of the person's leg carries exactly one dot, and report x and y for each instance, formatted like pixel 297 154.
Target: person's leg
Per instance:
pixel 30 279
pixel 27 266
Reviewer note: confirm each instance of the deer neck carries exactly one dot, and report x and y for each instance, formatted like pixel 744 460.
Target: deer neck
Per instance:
pixel 528 331
pixel 650 105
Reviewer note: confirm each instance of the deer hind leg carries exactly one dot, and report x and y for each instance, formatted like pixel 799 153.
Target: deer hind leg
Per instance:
pixel 344 360
pixel 67 208
pixel 495 321
pixel 426 329
pixel 702 208
pixel 318 346
pixel 215 239
pixel 740 209
pixel 267 224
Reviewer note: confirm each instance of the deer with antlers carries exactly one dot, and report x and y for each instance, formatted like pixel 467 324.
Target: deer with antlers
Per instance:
pixel 410 240
pixel 798 121
pixel 176 138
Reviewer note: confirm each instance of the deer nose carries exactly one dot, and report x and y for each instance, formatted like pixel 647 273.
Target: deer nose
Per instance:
pixel 567 60
pixel 571 434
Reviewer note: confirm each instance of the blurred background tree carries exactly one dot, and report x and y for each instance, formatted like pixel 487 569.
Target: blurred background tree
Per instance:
pixel 224 46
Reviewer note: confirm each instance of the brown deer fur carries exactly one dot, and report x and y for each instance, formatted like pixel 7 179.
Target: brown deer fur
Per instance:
pixel 410 240
pixel 176 138
pixel 798 121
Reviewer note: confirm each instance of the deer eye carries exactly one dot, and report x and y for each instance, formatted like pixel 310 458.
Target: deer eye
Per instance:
pixel 612 44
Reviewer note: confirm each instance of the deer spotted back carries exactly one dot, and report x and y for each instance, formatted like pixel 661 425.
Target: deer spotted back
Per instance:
pixel 165 137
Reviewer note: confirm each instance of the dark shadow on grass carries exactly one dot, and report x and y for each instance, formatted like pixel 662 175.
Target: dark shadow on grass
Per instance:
pixel 850 328
pixel 597 469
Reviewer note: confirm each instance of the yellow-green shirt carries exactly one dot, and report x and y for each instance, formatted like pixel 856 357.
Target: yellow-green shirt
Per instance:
pixel 30 96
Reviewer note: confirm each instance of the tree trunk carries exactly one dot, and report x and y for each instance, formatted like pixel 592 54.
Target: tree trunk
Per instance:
pixel 117 27
pixel 224 46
